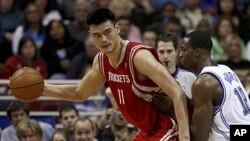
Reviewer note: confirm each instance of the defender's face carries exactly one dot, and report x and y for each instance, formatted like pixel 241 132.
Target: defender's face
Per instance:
pixel 187 54
pixel 105 36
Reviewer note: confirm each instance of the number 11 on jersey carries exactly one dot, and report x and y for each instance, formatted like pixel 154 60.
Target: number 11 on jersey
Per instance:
pixel 121 97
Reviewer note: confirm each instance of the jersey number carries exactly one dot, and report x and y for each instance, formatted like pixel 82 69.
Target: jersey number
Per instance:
pixel 121 97
pixel 243 100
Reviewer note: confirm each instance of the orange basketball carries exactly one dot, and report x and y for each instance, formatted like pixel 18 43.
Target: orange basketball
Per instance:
pixel 26 84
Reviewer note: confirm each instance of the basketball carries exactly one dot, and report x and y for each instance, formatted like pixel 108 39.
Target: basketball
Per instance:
pixel 26 84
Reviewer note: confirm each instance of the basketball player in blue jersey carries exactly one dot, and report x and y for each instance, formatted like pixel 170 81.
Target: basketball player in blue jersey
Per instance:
pixel 218 95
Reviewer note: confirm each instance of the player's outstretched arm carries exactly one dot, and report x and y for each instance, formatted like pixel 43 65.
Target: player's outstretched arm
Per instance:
pixel 147 65
pixel 202 91
pixel 87 86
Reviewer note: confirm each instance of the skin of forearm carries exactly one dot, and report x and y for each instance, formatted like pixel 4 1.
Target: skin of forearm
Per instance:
pixel 65 92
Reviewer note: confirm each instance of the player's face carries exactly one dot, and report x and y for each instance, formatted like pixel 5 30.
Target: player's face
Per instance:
pixel 167 53
pixel 105 36
pixel 187 54
pixel 84 131
pixel 68 119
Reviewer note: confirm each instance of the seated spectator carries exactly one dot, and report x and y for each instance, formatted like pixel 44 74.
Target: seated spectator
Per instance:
pixel 67 116
pixel 173 27
pixel 123 8
pixel 10 18
pixel 235 56
pixel 29 130
pixel 58 49
pixel 47 10
pixel 228 8
pixel 85 129
pixel 125 26
pixel 17 112
pixel 27 57
pixel 82 61
pixel 223 28
pixel 118 130
pixel 77 28
pixel 32 27
pixel 244 24
pixel 148 36
pixel 61 135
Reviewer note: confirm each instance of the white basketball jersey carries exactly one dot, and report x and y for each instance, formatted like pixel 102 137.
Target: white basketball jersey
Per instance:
pixel 235 106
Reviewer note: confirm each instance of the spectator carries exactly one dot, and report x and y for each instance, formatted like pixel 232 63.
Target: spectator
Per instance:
pixel 77 28
pixel 85 129
pixel 10 18
pixel 102 4
pixel 48 12
pixel 158 18
pixel 148 36
pixel 173 27
pixel 60 135
pixel 227 8
pixel 32 27
pixel 17 112
pixel 68 115
pixel 236 56
pixel 192 14
pixel 244 24
pixel 205 26
pixel 29 130
pixel 58 49
pixel 118 129
pixel 124 8
pixel 126 28
pixel 223 28
pixel 82 61
pixel 27 56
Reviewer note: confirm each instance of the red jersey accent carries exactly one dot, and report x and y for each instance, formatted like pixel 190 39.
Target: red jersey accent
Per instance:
pixel 134 97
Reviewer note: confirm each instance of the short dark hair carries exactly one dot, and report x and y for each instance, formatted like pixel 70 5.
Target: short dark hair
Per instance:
pixel 200 39
pixel 68 108
pixel 16 106
pixel 167 38
pixel 99 16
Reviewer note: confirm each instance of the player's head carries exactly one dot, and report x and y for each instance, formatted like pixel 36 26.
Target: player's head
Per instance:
pixel 195 46
pixel 103 30
pixel 17 111
pixel 166 46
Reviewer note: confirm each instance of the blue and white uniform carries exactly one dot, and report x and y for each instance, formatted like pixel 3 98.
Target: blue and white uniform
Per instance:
pixel 235 106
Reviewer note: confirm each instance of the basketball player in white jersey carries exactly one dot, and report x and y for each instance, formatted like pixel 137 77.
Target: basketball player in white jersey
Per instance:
pixel 219 97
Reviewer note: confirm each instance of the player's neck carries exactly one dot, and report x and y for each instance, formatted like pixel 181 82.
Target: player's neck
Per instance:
pixel 206 61
pixel 115 57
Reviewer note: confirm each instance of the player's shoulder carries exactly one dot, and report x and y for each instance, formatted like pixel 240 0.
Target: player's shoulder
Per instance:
pixel 205 81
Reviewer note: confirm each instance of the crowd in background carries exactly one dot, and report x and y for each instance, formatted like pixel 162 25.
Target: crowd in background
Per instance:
pixel 51 36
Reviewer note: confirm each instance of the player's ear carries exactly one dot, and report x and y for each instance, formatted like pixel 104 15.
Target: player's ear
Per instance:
pixel 117 28
pixel 198 51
